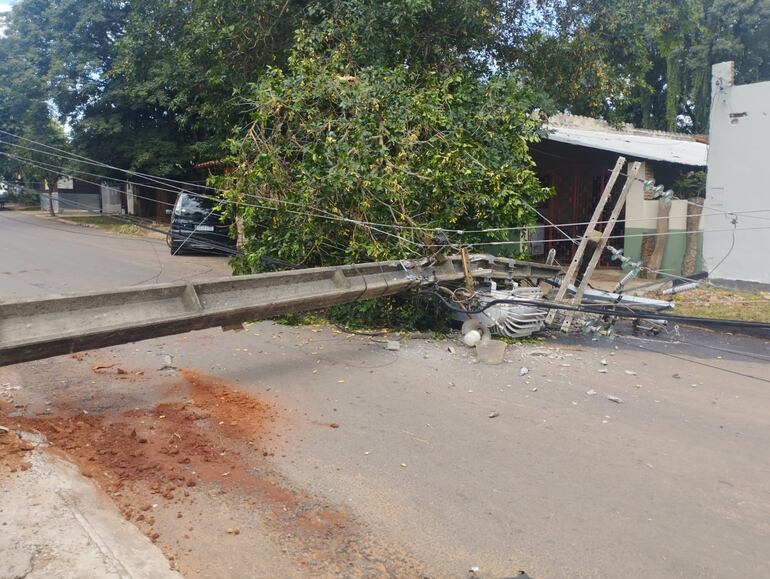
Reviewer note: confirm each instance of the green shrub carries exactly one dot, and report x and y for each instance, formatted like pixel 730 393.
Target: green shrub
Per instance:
pixel 337 155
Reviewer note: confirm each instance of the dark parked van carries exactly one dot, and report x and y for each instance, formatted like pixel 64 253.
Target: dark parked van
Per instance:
pixel 196 226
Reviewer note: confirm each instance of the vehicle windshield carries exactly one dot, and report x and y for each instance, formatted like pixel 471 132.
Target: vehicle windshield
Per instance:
pixel 193 205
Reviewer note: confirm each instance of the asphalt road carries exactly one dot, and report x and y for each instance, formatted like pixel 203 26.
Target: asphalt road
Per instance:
pixel 42 257
pixel 633 458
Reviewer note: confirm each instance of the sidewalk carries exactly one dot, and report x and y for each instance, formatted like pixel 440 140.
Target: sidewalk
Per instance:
pixel 63 526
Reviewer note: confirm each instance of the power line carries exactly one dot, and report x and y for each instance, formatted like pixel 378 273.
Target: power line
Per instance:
pixel 698 362
pixel 376 226
pixel 625 236
pixel 83 207
pixel 324 215
pixel 168 182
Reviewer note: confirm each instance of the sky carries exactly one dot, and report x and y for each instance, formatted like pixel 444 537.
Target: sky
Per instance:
pixel 5 6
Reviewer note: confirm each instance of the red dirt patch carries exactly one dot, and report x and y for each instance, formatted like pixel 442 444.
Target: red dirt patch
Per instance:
pixel 169 447
pixel 216 441
pixel 13 450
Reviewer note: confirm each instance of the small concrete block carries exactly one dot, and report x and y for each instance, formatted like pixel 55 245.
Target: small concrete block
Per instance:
pixel 393 346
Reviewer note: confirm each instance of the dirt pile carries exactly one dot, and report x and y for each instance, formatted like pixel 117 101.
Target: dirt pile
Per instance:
pixel 13 450
pixel 169 460
pixel 167 448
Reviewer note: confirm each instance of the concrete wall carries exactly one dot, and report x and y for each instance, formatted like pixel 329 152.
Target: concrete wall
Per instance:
pixel 642 219
pixel 111 199
pixel 739 159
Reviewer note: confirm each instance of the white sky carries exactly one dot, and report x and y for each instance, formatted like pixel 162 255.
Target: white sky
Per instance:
pixel 5 7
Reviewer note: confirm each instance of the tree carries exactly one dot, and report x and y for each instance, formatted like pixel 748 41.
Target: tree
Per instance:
pixel 334 146
pixel 190 60
pixel 648 63
pixel 24 111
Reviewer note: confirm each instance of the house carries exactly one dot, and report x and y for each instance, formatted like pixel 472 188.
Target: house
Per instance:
pixel 737 217
pixel 151 200
pixel 72 194
pixel 576 159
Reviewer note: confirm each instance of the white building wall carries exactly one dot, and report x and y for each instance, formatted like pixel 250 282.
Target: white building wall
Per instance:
pixel 738 165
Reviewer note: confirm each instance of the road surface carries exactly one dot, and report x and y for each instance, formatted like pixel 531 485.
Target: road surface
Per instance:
pixel 41 257
pixel 310 452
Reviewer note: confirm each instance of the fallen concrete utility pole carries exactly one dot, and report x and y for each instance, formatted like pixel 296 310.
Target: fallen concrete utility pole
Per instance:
pixel 42 328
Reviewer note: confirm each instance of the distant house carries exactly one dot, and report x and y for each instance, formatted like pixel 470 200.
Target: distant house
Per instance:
pixel 70 194
pixel 576 160
pixel 151 201
pixel 737 219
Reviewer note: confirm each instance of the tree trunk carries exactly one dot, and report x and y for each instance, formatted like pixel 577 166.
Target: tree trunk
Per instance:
pixel 648 246
pixel 661 234
pixel 690 258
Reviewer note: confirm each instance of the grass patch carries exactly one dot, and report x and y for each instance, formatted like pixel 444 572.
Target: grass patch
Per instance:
pixel 107 223
pixel 725 304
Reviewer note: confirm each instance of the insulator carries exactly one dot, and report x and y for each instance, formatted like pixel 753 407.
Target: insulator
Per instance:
pixel 679 289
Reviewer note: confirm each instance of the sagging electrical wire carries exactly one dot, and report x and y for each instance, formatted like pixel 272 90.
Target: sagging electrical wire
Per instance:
pixel 168 184
pixel 370 225
pixel 118 217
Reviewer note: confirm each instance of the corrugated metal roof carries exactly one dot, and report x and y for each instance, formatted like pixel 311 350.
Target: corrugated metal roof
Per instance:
pixel 640 146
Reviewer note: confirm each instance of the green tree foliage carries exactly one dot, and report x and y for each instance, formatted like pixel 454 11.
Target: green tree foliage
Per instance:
pixel 190 60
pixel 332 142
pixel 24 109
pixel 648 63
pixel 439 34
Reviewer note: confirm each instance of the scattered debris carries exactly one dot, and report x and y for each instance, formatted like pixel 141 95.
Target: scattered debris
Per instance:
pixel 168 363
pixel 524 371
pixel 602 371
pixel 494 414
pixel 614 399
pixel 534 389
pixel 450 349
pixel 97 367
pixel 603 362
pixel 591 392
pixel 233 531
pixel 630 372
pixel 677 376
pixel 540 353
pixel 334 425
pixel 393 346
